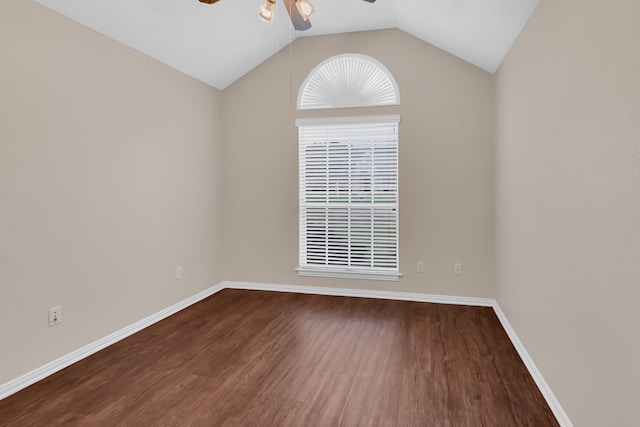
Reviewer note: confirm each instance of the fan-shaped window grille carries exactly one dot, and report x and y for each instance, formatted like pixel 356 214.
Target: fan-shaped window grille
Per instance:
pixel 349 80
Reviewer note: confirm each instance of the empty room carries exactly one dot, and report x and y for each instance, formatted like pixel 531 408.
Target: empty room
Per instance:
pixel 319 213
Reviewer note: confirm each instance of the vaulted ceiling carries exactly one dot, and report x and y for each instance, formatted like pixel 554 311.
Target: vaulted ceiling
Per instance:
pixel 220 43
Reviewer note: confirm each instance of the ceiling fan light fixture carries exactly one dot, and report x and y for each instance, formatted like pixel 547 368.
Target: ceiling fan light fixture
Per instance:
pixel 305 8
pixel 266 10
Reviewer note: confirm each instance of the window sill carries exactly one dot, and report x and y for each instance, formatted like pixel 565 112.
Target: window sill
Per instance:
pixel 348 274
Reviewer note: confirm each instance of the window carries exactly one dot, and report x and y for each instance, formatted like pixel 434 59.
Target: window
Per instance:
pixel 349 197
pixel 346 81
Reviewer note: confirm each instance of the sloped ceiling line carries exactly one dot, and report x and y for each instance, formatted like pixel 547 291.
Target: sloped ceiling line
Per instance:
pixel 220 43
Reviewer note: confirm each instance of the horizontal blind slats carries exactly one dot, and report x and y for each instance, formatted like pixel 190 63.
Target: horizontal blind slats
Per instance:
pixel 349 196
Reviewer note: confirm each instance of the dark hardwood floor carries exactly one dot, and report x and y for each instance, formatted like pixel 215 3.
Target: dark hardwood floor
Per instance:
pixel 253 358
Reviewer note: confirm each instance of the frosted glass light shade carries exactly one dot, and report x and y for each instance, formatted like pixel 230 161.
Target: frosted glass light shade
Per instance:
pixel 305 8
pixel 266 10
pixel 346 81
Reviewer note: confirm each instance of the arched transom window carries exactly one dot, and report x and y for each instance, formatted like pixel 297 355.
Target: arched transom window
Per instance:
pixel 349 80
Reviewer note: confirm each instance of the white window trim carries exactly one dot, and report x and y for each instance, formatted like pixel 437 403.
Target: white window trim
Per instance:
pixel 328 121
pixel 347 273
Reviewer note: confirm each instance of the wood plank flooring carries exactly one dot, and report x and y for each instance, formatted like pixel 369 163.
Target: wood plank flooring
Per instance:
pixel 253 358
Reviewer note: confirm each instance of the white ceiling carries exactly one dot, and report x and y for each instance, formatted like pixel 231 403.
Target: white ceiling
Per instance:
pixel 220 43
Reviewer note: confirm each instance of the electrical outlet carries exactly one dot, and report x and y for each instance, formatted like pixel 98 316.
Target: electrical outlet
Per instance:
pixel 420 267
pixel 55 316
pixel 178 273
pixel 457 268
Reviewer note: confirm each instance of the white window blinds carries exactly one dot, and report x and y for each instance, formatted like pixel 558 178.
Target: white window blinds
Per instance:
pixel 349 197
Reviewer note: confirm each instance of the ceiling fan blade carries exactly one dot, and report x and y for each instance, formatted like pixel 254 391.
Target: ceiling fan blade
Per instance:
pixel 296 19
pixel 214 1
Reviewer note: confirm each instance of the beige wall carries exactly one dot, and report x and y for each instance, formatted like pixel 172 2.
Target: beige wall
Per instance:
pixel 109 179
pixel 568 203
pixel 446 165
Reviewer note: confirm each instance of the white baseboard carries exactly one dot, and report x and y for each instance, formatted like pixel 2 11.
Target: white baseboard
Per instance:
pixel 38 374
pixel 360 293
pixel 51 368
pixel 548 395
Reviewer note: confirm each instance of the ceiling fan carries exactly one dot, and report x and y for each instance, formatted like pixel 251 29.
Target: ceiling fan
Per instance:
pixel 299 11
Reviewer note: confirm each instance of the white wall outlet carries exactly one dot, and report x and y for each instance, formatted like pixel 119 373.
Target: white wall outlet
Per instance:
pixel 178 273
pixel 55 316
pixel 420 267
pixel 457 268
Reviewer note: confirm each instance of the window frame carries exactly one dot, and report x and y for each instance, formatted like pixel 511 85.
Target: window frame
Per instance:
pixel 349 271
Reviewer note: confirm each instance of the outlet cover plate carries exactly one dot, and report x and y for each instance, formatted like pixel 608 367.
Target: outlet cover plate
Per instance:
pixel 55 315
